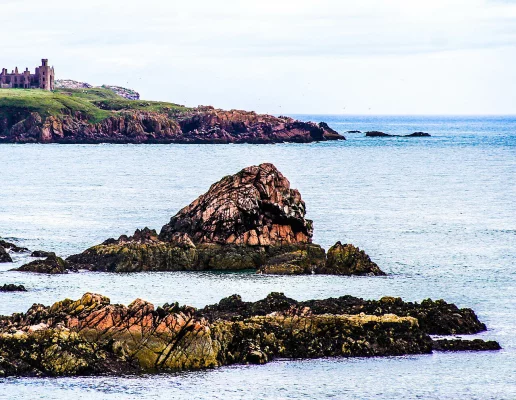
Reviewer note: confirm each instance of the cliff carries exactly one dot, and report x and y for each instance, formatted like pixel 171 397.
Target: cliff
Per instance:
pixel 100 115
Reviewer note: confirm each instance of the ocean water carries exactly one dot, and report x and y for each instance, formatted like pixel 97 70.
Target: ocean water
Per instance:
pixel 437 214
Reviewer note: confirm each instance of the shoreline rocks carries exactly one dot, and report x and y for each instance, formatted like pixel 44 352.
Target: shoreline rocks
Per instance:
pixel 349 260
pixel 91 336
pixel 202 125
pixel 4 256
pixel 250 220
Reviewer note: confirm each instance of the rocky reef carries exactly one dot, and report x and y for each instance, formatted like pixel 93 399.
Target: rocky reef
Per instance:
pixel 93 336
pixel 250 220
pixel 383 134
pixel 5 247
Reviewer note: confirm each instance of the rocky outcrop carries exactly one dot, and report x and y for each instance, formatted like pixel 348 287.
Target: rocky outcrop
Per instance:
pixel 255 207
pixel 51 265
pixel 383 134
pixel 242 222
pixel 4 256
pixel 201 125
pixel 93 336
pixel 348 260
pixel 12 288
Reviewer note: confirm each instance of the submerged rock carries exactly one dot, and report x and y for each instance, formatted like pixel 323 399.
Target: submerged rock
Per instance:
pixel 12 288
pixel 4 256
pixel 383 134
pixel 51 265
pixel 92 336
pixel 348 260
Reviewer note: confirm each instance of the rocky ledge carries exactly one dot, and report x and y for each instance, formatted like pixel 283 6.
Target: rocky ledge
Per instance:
pixel 5 247
pixel 11 287
pixel 93 336
pixel 199 125
pixel 250 220
pixel 50 265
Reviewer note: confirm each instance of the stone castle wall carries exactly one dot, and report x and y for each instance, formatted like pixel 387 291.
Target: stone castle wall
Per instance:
pixel 43 78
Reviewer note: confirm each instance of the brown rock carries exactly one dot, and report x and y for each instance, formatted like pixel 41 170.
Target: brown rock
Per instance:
pixel 348 260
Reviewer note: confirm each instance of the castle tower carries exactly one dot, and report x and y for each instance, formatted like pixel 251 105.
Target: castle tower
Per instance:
pixel 45 75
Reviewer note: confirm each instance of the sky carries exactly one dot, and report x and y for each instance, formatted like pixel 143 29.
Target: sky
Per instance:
pixel 279 56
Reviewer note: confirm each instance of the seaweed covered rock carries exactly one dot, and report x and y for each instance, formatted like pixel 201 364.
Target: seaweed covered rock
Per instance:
pixel 92 336
pixel 51 265
pixel 4 256
pixel 11 287
pixel 302 261
pixel 348 260
pixel 42 253
pixel 242 222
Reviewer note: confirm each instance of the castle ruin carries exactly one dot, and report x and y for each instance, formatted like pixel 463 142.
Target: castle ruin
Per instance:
pixel 43 78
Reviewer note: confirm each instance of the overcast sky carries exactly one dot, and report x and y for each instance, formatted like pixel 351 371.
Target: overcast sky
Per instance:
pixel 279 56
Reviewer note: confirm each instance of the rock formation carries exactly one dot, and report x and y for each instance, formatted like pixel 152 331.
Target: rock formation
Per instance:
pixel 201 125
pixel 383 134
pixel 51 265
pixel 348 260
pixel 12 247
pixel 93 336
pixel 12 288
pixel 243 221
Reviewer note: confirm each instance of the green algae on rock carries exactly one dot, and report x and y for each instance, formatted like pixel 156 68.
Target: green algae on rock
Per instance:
pixel 348 260
pixel 51 265
pixel 91 336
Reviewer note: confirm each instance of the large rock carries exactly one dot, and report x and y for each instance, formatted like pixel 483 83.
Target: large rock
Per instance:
pixel 242 222
pixel 12 247
pixel 348 260
pixel 254 207
pixel 93 336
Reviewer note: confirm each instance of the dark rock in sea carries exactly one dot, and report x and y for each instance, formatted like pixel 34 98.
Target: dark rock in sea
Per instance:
pixel 91 336
pixel 382 134
pixel 302 261
pixel 418 134
pixel 4 256
pixel 51 265
pixel 42 253
pixel 12 288
pixel 348 260
pixel 377 134
pixel 435 317
pixel 354 132
pixel 12 247
pixel 465 345
pixel 244 221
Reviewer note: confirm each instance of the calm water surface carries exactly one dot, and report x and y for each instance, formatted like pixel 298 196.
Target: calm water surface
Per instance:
pixel 438 214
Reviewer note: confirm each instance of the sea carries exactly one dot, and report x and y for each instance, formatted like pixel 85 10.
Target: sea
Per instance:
pixel 437 214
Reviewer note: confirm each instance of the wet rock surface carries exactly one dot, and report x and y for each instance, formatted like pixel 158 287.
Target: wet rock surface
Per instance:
pixel 51 265
pixel 10 287
pixel 12 247
pixel 92 336
pixel 42 253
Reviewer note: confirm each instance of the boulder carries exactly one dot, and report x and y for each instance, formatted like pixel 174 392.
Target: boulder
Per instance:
pixel 4 256
pixel 465 345
pixel 12 247
pixel 348 260
pixel 51 265
pixel 12 288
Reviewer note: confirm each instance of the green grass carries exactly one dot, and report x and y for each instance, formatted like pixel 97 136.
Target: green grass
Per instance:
pixel 96 103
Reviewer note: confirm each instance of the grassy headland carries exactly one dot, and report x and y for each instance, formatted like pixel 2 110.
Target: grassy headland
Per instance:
pixel 95 103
